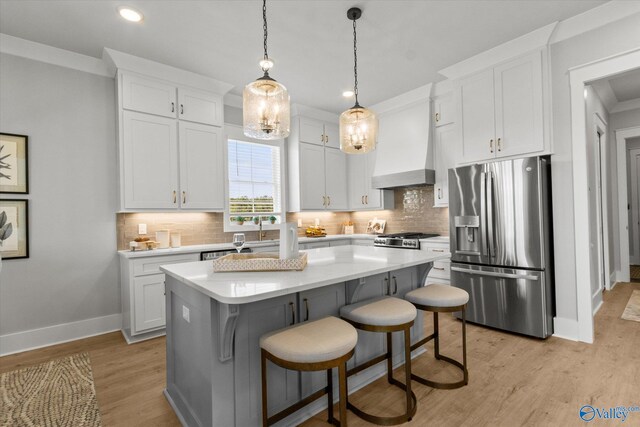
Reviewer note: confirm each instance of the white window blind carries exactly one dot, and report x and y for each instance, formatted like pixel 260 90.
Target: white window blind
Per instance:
pixel 254 178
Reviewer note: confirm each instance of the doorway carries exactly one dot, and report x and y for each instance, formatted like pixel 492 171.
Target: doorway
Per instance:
pixel 633 173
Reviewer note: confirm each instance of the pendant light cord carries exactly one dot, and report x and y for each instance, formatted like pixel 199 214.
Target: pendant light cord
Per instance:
pixel 264 26
pixel 355 63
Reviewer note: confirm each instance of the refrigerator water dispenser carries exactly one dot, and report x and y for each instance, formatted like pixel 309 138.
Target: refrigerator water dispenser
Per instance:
pixel 467 228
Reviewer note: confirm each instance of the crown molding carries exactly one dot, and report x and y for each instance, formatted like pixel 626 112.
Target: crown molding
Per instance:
pixel 15 46
pixel 632 104
pixel 405 100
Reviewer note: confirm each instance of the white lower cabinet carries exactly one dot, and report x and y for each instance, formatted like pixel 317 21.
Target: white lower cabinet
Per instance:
pixel 143 294
pixel 441 270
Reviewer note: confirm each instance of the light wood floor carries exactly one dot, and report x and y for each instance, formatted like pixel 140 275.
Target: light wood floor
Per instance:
pixel 513 380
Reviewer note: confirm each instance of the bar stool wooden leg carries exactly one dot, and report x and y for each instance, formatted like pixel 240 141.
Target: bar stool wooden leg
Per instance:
pixel 263 370
pixel 342 375
pixel 330 418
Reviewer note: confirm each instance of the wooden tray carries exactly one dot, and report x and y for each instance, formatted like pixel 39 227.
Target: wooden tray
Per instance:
pixel 264 261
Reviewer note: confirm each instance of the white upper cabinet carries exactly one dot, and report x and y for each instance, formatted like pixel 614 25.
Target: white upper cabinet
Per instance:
pixel 148 96
pixel 332 135
pixel 335 172
pixel 200 107
pixel 317 171
pixel 171 147
pixel 446 148
pixel 201 167
pixel 501 110
pixel 362 196
pixel 150 161
pixel 443 110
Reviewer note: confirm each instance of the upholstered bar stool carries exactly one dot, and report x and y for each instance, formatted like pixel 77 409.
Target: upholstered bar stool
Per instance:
pixel 311 346
pixel 385 315
pixel 438 298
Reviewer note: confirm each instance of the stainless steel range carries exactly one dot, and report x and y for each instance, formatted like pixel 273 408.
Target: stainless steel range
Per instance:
pixel 409 240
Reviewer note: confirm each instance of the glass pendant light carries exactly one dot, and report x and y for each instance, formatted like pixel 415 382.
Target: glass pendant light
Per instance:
pixel 358 125
pixel 265 102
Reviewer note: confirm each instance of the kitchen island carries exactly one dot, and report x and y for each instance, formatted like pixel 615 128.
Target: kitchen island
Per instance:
pixel 215 320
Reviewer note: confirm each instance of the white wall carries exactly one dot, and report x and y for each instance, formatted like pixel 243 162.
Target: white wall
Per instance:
pixel 600 43
pixel 72 272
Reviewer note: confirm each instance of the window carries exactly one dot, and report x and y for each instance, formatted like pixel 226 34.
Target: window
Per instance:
pixel 254 179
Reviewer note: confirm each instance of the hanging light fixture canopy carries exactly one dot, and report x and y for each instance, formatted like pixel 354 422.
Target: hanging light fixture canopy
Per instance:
pixel 265 102
pixel 358 125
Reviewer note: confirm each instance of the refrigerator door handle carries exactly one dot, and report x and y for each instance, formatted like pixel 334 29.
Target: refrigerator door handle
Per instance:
pixel 483 211
pixel 494 274
pixel 492 249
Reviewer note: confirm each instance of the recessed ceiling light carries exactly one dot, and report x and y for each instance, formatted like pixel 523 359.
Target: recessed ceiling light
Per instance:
pixel 130 14
pixel 347 93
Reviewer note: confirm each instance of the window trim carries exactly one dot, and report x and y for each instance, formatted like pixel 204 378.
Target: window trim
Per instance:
pixel 235 132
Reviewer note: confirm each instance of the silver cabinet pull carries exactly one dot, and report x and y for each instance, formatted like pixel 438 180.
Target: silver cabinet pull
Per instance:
pixel 328 200
pixel 491 145
pixel 494 274
pixel 499 144
pixel 184 197
pixel 366 199
pixel 322 138
pixel 439 193
pixel 326 139
pixel 395 285
pixel 438 268
pixel 387 285
pixel 173 107
pixel 175 195
pixel 437 250
pixel 306 308
pixel 437 117
pixel 181 109
pixel 324 200
pixel 293 312
pixel 362 200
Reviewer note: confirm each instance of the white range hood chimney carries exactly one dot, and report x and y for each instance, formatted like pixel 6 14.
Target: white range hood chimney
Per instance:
pixel 404 155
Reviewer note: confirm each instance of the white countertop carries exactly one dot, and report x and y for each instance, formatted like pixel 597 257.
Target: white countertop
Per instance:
pixel 257 244
pixel 325 266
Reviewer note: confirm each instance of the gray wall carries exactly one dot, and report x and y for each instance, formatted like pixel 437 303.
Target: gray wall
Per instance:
pixel 600 43
pixel 617 121
pixel 72 273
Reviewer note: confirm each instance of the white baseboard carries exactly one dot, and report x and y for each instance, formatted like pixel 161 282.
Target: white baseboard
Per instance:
pixel 612 280
pixel 598 305
pixel 58 334
pixel 565 328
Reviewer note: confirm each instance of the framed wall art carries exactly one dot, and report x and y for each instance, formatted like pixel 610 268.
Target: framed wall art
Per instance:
pixel 14 228
pixel 14 176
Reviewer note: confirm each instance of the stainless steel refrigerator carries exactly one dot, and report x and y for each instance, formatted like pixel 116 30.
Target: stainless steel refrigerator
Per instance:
pixel 501 246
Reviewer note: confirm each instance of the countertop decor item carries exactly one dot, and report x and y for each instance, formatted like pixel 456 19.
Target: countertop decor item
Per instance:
pixel 240 220
pixel 272 219
pixel 264 261
pixel 175 240
pixel 288 241
pixel 14 229
pixel 163 239
pixel 358 125
pixel 376 226
pixel 348 227
pixel 315 231
pixel 265 102
pixel 14 177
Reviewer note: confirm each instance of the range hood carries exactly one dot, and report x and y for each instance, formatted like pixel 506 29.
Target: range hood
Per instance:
pixel 404 155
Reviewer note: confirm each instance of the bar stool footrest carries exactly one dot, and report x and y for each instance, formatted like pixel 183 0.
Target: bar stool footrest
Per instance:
pixel 388 421
pixel 443 385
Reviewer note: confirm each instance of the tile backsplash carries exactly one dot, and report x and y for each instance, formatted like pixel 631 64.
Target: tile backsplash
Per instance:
pixel 413 211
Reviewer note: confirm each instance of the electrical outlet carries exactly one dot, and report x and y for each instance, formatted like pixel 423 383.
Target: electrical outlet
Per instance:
pixel 142 229
pixel 185 314
pixel 299 222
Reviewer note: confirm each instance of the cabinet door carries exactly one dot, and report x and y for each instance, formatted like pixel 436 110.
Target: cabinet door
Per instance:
pixel 316 245
pixel 200 107
pixel 201 167
pixel 332 135
pixel 255 320
pixel 357 180
pixel 443 110
pixel 148 96
pixel 446 143
pixel 311 131
pixel 477 116
pixel 519 109
pixel 373 197
pixel 336 179
pixel 150 161
pixel 312 183
pixel 149 302
pixel 316 304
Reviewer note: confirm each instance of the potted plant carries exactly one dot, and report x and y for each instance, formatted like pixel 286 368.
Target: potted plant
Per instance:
pixel 272 219
pixel 256 220
pixel 240 220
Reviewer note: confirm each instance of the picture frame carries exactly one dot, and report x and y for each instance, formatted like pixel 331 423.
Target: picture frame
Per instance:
pixel 376 226
pixel 14 163
pixel 14 228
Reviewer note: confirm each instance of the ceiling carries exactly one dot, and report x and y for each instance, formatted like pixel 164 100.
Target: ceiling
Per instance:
pixel 401 44
pixel 626 86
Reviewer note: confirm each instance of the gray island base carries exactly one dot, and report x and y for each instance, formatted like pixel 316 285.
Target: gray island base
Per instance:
pixel 215 320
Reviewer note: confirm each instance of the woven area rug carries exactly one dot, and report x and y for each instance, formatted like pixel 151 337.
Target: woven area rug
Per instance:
pixel 56 393
pixel 632 311
pixel 635 273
